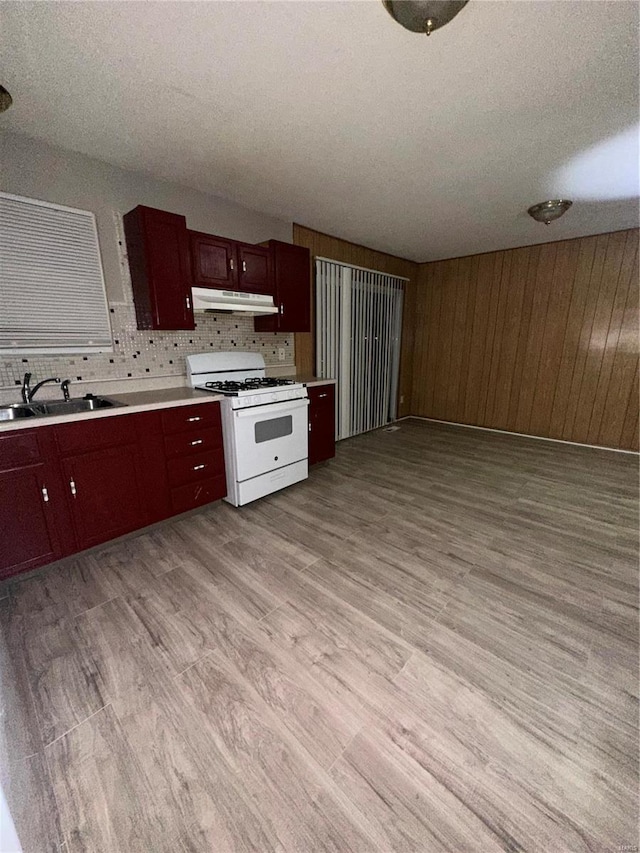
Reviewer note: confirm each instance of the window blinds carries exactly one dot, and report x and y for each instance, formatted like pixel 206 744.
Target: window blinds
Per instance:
pixel 52 296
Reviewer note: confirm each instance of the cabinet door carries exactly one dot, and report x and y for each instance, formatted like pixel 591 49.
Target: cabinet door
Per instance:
pixel 103 494
pixel 292 279
pixel 322 441
pixel 152 466
pixel 158 251
pixel 255 274
pixel 28 521
pixel 213 261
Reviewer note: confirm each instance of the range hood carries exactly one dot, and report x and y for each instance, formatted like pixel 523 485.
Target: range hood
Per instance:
pixel 232 302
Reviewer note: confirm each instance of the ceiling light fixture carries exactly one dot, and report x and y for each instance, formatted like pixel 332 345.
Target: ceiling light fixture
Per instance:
pixel 5 99
pixel 547 211
pixel 423 16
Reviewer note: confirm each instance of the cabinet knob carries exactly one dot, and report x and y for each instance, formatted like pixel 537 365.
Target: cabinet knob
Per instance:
pixel 45 494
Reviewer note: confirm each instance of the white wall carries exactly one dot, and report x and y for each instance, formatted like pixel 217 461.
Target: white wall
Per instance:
pixel 35 169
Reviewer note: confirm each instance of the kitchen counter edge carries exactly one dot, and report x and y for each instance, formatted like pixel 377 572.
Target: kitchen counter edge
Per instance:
pixel 311 381
pixel 134 402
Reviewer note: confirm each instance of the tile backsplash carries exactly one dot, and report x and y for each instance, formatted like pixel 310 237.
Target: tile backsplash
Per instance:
pixel 146 355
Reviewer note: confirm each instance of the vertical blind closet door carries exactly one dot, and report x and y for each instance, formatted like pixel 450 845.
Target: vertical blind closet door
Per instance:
pixel 358 327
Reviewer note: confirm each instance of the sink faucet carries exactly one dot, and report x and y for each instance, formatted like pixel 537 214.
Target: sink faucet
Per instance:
pixel 28 393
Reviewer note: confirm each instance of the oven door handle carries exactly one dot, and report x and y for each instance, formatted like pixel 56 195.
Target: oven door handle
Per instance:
pixel 282 408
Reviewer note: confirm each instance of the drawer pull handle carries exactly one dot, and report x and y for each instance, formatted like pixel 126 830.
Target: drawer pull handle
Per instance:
pixel 320 396
pixel 193 420
pixel 72 486
pixel 197 441
pixel 199 467
pixel 45 494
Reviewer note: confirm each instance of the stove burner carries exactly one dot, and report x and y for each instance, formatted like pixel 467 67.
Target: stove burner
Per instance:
pixel 231 387
pixel 267 382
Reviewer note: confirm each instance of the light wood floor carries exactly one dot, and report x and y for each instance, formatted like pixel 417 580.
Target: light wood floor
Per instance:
pixel 431 644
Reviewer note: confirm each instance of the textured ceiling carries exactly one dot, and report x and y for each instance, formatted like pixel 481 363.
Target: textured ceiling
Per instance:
pixel 332 115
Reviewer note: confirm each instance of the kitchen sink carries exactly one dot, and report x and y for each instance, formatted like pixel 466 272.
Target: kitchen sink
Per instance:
pixel 16 411
pixel 49 408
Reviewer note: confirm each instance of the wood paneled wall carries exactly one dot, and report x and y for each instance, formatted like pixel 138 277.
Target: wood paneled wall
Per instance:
pixel 540 340
pixel 325 246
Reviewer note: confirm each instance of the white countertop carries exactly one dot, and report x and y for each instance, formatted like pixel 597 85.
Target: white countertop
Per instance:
pixel 143 401
pixel 309 381
pixel 135 401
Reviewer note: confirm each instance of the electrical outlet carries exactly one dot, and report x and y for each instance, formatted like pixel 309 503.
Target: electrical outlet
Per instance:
pixel 281 353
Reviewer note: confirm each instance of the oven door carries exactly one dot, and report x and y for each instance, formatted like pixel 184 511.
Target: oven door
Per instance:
pixel 268 437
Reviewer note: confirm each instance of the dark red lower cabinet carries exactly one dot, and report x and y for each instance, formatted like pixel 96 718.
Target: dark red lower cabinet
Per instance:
pixel 69 487
pixel 322 429
pixel 34 526
pixel 28 533
pixel 104 494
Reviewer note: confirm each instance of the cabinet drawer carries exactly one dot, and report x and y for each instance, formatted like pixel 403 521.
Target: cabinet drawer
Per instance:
pixel 185 418
pixel 194 441
pixel 18 449
pixel 95 434
pixel 321 395
pixel 191 469
pixel 197 494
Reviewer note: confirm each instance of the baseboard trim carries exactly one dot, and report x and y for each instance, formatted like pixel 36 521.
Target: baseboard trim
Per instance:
pixel 521 434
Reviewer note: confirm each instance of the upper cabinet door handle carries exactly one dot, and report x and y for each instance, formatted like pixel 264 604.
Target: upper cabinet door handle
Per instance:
pixel 282 308
pixel 244 266
pixel 45 494
pixel 230 263
pixel 72 486
pixel 188 301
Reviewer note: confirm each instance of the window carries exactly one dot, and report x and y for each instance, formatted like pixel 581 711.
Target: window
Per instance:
pixel 273 428
pixel 52 296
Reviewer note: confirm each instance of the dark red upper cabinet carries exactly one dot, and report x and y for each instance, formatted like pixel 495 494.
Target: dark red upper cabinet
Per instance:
pixel 255 274
pixel 213 261
pixel 292 280
pixel 158 250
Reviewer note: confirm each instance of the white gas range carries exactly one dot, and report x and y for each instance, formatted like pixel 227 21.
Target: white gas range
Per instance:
pixel 264 420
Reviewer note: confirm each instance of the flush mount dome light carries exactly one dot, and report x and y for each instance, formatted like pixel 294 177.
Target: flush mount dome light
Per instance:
pixel 547 211
pixel 423 16
pixel 5 99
